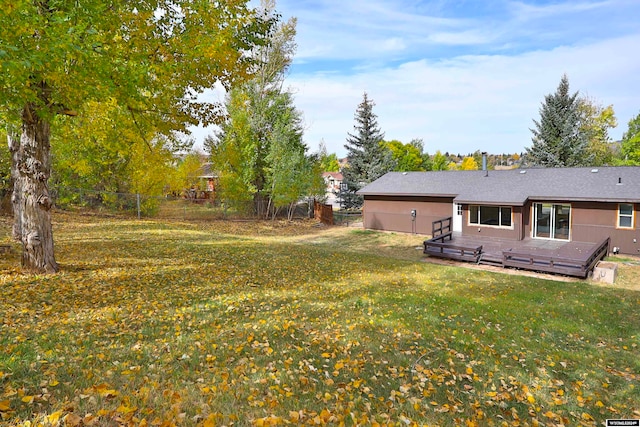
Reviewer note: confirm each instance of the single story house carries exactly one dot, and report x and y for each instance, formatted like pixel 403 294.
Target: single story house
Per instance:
pixel 558 204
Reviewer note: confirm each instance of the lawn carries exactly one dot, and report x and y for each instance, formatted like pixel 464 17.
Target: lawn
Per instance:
pixel 166 323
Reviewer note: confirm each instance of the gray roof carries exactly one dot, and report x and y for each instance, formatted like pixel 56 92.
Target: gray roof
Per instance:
pixel 514 187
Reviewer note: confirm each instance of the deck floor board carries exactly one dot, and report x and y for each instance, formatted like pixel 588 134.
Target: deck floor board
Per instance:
pixel 492 249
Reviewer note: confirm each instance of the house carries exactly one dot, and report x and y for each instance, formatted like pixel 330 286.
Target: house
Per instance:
pixel 332 181
pixel 207 181
pixel 554 205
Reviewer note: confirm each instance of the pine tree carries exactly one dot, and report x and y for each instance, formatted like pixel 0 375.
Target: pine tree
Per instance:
pixel 369 158
pixel 557 138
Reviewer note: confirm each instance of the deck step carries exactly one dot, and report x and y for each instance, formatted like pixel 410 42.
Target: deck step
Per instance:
pixel 489 260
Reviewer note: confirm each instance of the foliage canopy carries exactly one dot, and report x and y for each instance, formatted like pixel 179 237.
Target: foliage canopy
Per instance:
pixel 150 57
pixel 259 151
pixel 630 146
pixel 557 138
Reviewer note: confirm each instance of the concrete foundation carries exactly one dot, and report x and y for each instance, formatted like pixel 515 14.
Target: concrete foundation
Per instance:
pixel 605 272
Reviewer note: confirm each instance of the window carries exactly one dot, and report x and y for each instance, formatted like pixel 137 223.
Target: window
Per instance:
pixel 497 216
pixel 459 209
pixel 625 215
pixel 551 221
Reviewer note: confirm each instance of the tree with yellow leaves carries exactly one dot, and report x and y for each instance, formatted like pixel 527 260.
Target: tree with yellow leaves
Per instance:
pixel 152 57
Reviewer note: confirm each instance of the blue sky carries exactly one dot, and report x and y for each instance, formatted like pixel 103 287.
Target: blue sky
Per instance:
pixel 461 75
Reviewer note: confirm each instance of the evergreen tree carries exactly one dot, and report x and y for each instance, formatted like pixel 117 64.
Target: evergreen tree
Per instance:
pixel 557 137
pixel 369 158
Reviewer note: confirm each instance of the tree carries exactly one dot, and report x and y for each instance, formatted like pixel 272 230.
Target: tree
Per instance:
pixel 469 164
pixel 369 159
pixel 110 154
pixel 557 138
pixel 630 145
pixel 186 172
pixel 408 157
pixel 5 172
pixel 151 56
pixel 595 122
pixel 259 151
pixel 328 162
pixel 440 162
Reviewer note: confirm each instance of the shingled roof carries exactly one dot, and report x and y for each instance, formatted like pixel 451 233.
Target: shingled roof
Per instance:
pixel 514 187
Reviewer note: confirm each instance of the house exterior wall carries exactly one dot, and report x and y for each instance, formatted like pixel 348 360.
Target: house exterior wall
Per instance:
pixel 394 213
pixel 514 232
pixel 590 221
pixel 594 221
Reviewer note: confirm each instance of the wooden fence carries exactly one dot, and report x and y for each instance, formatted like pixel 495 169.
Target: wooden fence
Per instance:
pixel 323 212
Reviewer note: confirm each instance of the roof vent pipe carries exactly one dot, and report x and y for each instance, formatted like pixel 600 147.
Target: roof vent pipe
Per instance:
pixel 484 163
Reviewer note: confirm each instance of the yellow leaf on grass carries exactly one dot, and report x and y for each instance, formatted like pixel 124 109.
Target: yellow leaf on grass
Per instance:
pixel 53 418
pixel 72 420
pixel 28 399
pixel 104 390
pixel 124 409
pixel 5 405
pixel 531 399
pixel 210 421
pixel 294 416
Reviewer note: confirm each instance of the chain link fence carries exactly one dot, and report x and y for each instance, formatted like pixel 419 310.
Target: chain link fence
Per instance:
pixel 186 207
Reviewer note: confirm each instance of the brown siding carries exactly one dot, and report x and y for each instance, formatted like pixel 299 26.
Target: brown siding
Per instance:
pixel 594 221
pixel 515 232
pixel 590 221
pixel 394 213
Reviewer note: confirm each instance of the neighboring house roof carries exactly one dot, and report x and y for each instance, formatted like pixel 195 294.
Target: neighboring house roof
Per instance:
pixel 206 172
pixel 335 175
pixel 514 187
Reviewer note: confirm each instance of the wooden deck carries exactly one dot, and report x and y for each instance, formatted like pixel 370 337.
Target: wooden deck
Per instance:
pixel 551 256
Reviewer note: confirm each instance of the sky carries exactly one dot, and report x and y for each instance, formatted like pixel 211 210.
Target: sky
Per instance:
pixel 461 75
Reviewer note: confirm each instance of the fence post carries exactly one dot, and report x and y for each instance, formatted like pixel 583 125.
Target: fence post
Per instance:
pixel 138 203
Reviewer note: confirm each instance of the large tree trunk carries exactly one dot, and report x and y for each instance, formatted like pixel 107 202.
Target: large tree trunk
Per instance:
pixel 30 170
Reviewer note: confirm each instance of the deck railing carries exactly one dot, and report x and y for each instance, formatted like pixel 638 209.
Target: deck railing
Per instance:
pixel 556 264
pixel 446 250
pixel 437 246
pixel 441 227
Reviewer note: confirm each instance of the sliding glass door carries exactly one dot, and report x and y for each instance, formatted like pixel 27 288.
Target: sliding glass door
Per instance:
pixel 551 221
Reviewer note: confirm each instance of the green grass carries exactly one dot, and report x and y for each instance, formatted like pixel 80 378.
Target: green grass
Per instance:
pixel 162 323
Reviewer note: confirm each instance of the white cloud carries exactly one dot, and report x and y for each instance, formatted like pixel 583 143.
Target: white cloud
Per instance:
pixel 462 76
pixel 466 38
pixel 467 103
